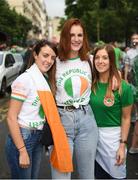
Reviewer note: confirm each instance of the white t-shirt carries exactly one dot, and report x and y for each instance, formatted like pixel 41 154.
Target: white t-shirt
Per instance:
pixel 130 56
pixel 31 114
pixel 73 81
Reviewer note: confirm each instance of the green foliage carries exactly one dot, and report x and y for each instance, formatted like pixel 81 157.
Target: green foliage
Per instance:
pixel 13 24
pixel 62 20
pixel 106 20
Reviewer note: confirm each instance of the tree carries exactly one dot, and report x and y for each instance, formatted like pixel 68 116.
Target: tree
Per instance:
pixel 10 18
pixel 106 20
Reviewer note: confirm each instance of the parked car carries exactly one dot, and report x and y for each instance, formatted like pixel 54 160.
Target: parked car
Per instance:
pixel 19 60
pixel 9 70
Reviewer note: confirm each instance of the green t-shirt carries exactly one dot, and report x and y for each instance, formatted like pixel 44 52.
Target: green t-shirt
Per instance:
pixel 118 55
pixel 110 116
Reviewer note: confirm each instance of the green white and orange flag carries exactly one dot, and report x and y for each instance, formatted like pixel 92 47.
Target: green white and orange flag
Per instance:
pixel 61 157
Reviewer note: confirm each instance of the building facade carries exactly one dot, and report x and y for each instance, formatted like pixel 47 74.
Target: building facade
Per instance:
pixel 53 32
pixel 34 10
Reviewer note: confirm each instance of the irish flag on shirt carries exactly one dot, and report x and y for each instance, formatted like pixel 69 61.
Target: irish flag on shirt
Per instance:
pixel 73 82
pixel 70 88
pixel 18 96
pixel 61 157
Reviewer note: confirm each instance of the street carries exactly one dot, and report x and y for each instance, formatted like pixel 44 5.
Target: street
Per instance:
pixel 132 160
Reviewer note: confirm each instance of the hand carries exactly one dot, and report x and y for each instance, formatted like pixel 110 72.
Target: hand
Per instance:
pixel 120 155
pixel 114 84
pixel 24 160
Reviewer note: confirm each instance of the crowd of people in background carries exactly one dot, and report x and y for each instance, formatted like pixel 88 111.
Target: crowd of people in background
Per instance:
pixel 131 76
pixel 96 95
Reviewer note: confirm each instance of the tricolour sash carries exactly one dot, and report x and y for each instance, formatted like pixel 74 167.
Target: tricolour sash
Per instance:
pixel 61 157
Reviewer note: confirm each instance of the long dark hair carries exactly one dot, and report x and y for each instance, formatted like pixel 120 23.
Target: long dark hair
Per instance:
pixel 113 72
pixel 37 48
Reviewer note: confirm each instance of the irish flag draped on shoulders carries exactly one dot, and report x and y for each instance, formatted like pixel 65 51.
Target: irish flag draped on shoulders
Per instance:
pixel 61 157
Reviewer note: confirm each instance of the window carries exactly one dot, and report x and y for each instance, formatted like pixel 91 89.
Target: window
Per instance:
pixel 9 60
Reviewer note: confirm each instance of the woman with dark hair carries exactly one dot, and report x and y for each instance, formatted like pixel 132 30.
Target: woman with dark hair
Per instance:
pixel 72 94
pixel 31 103
pixel 112 110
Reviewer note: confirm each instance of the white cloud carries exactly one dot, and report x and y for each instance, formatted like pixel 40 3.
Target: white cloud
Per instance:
pixel 55 7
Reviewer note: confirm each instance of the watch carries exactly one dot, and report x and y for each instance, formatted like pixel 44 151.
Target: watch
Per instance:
pixel 122 141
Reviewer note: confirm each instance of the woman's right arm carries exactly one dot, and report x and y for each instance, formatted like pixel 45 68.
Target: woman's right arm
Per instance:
pixel 14 109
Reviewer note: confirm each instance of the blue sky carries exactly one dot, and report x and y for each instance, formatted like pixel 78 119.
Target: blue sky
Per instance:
pixel 55 7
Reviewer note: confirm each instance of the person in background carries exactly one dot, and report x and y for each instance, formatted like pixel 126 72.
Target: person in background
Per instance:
pixel 112 110
pixel 131 54
pixel 26 57
pixel 25 116
pixel 131 57
pixel 118 55
pixel 55 40
pixel 134 145
pixel 73 89
pixel 3 46
pixel 124 50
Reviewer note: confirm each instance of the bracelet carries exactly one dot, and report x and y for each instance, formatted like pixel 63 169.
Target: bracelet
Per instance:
pixel 121 141
pixel 21 147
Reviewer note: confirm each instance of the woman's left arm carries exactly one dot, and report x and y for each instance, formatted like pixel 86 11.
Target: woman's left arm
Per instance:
pixel 125 125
